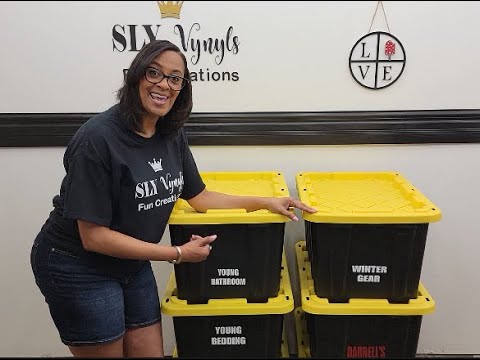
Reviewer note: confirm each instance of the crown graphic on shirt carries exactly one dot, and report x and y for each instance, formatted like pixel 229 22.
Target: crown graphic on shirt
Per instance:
pixel 170 8
pixel 156 165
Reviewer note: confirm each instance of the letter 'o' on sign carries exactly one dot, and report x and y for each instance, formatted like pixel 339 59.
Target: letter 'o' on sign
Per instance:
pixel 377 60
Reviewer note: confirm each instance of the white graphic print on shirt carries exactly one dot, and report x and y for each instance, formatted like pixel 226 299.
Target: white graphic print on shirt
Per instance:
pixel 149 188
pixel 156 165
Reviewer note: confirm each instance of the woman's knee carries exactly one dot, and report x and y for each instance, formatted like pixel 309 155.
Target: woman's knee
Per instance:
pixel 112 349
pixel 146 341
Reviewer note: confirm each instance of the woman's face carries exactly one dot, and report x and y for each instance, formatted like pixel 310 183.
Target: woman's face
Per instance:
pixel 157 99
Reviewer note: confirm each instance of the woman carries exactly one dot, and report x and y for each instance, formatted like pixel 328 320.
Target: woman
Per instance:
pixel 125 168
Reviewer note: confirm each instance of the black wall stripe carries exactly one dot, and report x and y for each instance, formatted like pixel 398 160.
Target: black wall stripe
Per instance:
pixel 271 128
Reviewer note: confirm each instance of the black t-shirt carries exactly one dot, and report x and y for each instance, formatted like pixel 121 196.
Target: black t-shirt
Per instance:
pixel 119 179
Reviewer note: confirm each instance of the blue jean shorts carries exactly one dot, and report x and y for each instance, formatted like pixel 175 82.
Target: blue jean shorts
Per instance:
pixel 92 303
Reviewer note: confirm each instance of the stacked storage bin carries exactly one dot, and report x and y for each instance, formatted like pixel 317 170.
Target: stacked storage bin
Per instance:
pixel 233 304
pixel 285 352
pixel 362 260
pixel 359 328
pixel 230 328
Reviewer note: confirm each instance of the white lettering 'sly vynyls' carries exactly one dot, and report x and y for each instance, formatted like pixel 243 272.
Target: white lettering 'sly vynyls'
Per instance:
pixel 146 189
pixel 170 184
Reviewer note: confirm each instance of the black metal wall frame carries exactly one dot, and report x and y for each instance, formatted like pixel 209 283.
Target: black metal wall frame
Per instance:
pixel 271 128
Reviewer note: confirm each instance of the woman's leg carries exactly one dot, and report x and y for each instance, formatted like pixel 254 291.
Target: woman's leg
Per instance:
pixel 144 341
pixel 143 335
pixel 114 349
pixel 86 305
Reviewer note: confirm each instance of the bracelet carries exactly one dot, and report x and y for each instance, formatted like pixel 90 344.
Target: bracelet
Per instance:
pixel 178 260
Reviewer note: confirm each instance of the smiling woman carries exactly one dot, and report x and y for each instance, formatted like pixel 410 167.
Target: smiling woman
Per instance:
pixel 144 79
pixel 158 96
pixel 125 169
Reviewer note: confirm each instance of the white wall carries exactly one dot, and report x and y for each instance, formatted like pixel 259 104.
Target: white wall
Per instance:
pixel 293 56
pixel 57 57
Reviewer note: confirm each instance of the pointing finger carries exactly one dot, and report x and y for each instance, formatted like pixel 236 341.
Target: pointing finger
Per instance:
pixel 207 239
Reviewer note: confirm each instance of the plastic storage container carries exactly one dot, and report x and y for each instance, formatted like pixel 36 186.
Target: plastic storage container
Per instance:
pixel 367 238
pixel 229 328
pixel 246 256
pixel 284 350
pixel 360 328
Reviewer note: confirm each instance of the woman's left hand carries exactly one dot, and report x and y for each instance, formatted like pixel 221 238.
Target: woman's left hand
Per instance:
pixel 281 206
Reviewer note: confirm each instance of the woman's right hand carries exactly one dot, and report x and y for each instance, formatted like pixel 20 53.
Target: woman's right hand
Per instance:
pixel 197 249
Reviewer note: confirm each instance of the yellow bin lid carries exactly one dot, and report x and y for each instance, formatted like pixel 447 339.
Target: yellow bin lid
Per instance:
pixel 281 304
pixel 312 304
pixel 364 197
pixel 269 184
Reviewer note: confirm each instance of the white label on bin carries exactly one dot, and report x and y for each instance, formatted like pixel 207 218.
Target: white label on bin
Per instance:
pixel 369 269
pixel 228 340
pixel 228 281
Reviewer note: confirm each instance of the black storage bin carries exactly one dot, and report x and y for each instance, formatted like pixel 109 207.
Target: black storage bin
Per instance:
pixel 358 328
pixel 246 256
pixel 366 261
pixel 368 236
pixel 244 262
pixel 230 328
pixel 229 337
pixel 363 336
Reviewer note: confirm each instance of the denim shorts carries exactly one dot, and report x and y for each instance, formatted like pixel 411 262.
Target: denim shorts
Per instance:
pixel 91 303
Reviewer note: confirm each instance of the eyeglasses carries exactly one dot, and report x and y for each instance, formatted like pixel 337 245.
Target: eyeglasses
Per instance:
pixel 175 82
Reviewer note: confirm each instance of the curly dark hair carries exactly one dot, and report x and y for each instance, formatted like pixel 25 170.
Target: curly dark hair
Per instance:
pixel 131 107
